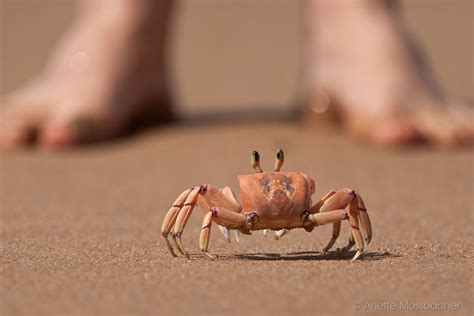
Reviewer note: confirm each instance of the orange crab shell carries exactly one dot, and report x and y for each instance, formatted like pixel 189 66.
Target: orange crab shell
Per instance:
pixel 276 195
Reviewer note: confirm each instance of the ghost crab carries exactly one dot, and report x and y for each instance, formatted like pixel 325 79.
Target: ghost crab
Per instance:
pixel 279 201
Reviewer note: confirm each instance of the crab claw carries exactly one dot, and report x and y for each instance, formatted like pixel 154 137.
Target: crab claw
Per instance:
pixel 225 232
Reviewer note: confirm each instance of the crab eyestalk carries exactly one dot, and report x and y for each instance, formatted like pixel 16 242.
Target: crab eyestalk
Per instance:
pixel 255 161
pixel 280 158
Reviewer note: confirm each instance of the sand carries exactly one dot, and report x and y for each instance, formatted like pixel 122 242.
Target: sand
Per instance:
pixel 80 229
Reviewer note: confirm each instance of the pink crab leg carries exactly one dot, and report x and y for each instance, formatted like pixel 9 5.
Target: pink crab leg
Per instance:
pixel 223 197
pixel 316 207
pixel 235 207
pixel 204 236
pixel 183 217
pixel 364 219
pixel 336 230
pixel 229 219
pixel 236 235
pixel 225 232
pixel 357 211
pixel 328 217
pixel 354 221
pixel 338 200
pixel 170 219
pixel 333 201
pixel 348 247
pixel 223 217
pixel 339 215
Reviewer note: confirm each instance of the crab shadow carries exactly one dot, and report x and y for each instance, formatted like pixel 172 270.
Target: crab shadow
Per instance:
pixel 308 256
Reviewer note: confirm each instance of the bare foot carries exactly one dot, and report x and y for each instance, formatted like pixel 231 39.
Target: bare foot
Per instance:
pixel 107 71
pixel 366 70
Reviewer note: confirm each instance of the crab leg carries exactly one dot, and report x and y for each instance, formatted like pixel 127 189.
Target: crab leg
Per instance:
pixel 333 201
pixel 339 215
pixel 225 232
pixel 316 207
pixel 183 217
pixel 338 200
pixel 236 235
pixel 336 230
pixel 358 212
pixel 224 218
pixel 170 219
pixel 364 219
pixel 328 217
pixel 348 247
pixel 204 236
pixel 354 221
pixel 224 197
pixel 227 218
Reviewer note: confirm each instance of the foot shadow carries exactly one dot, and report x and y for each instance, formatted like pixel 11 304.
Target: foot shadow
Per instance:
pixel 234 116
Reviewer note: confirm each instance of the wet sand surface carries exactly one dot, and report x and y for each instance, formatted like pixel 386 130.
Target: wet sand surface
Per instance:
pixel 80 229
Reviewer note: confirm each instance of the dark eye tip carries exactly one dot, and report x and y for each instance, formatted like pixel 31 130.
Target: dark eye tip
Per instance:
pixel 280 154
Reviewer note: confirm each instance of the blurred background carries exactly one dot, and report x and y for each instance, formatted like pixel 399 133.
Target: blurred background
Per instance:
pixel 80 228
pixel 258 59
